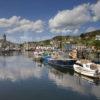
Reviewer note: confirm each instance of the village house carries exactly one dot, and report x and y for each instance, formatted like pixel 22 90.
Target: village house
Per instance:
pixel 97 37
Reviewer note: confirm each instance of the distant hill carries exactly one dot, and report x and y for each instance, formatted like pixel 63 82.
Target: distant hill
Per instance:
pixel 85 38
pixel 60 38
pixel 90 34
pixel 88 37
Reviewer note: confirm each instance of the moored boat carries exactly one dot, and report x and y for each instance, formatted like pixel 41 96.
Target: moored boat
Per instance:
pixel 45 57
pixel 87 68
pixel 66 63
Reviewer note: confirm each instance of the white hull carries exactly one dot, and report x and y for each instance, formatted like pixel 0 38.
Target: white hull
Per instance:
pixel 83 71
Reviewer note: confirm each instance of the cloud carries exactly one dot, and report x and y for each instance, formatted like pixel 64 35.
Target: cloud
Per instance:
pixel 18 24
pixel 9 22
pixel 28 26
pixel 70 19
pixel 25 38
pixel 96 11
pixel 89 29
pixel 65 31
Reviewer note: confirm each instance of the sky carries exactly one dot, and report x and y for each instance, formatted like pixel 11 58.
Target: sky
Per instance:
pixel 35 20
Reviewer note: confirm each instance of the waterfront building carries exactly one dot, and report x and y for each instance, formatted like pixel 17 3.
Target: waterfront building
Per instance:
pixel 97 37
pixel 27 46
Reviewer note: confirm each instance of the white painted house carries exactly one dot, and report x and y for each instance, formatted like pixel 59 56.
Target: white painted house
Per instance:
pixel 97 37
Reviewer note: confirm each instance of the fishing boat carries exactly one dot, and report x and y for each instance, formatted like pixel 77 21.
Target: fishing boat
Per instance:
pixel 87 68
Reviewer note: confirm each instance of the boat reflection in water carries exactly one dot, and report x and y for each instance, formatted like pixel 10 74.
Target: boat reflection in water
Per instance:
pixel 75 82
pixel 90 80
pixel 63 70
pixel 60 71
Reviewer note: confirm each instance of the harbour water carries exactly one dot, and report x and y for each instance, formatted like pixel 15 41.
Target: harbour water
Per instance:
pixel 23 79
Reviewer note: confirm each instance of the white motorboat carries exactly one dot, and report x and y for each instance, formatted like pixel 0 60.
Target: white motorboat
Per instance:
pixel 88 69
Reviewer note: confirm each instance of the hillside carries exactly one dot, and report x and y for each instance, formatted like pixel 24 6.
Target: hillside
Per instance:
pixel 87 39
pixel 90 34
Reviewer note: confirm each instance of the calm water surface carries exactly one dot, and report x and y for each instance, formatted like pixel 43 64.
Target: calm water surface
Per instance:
pixel 23 79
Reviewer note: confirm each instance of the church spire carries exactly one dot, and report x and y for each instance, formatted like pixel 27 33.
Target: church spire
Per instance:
pixel 4 38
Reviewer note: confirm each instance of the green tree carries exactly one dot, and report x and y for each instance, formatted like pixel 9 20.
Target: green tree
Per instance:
pixel 97 44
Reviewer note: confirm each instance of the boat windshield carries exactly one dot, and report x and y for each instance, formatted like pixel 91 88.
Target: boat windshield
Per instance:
pixel 93 66
pixel 79 64
pixel 88 66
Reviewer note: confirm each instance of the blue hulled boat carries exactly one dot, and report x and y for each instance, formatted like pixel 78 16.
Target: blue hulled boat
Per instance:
pixel 65 64
pixel 45 59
